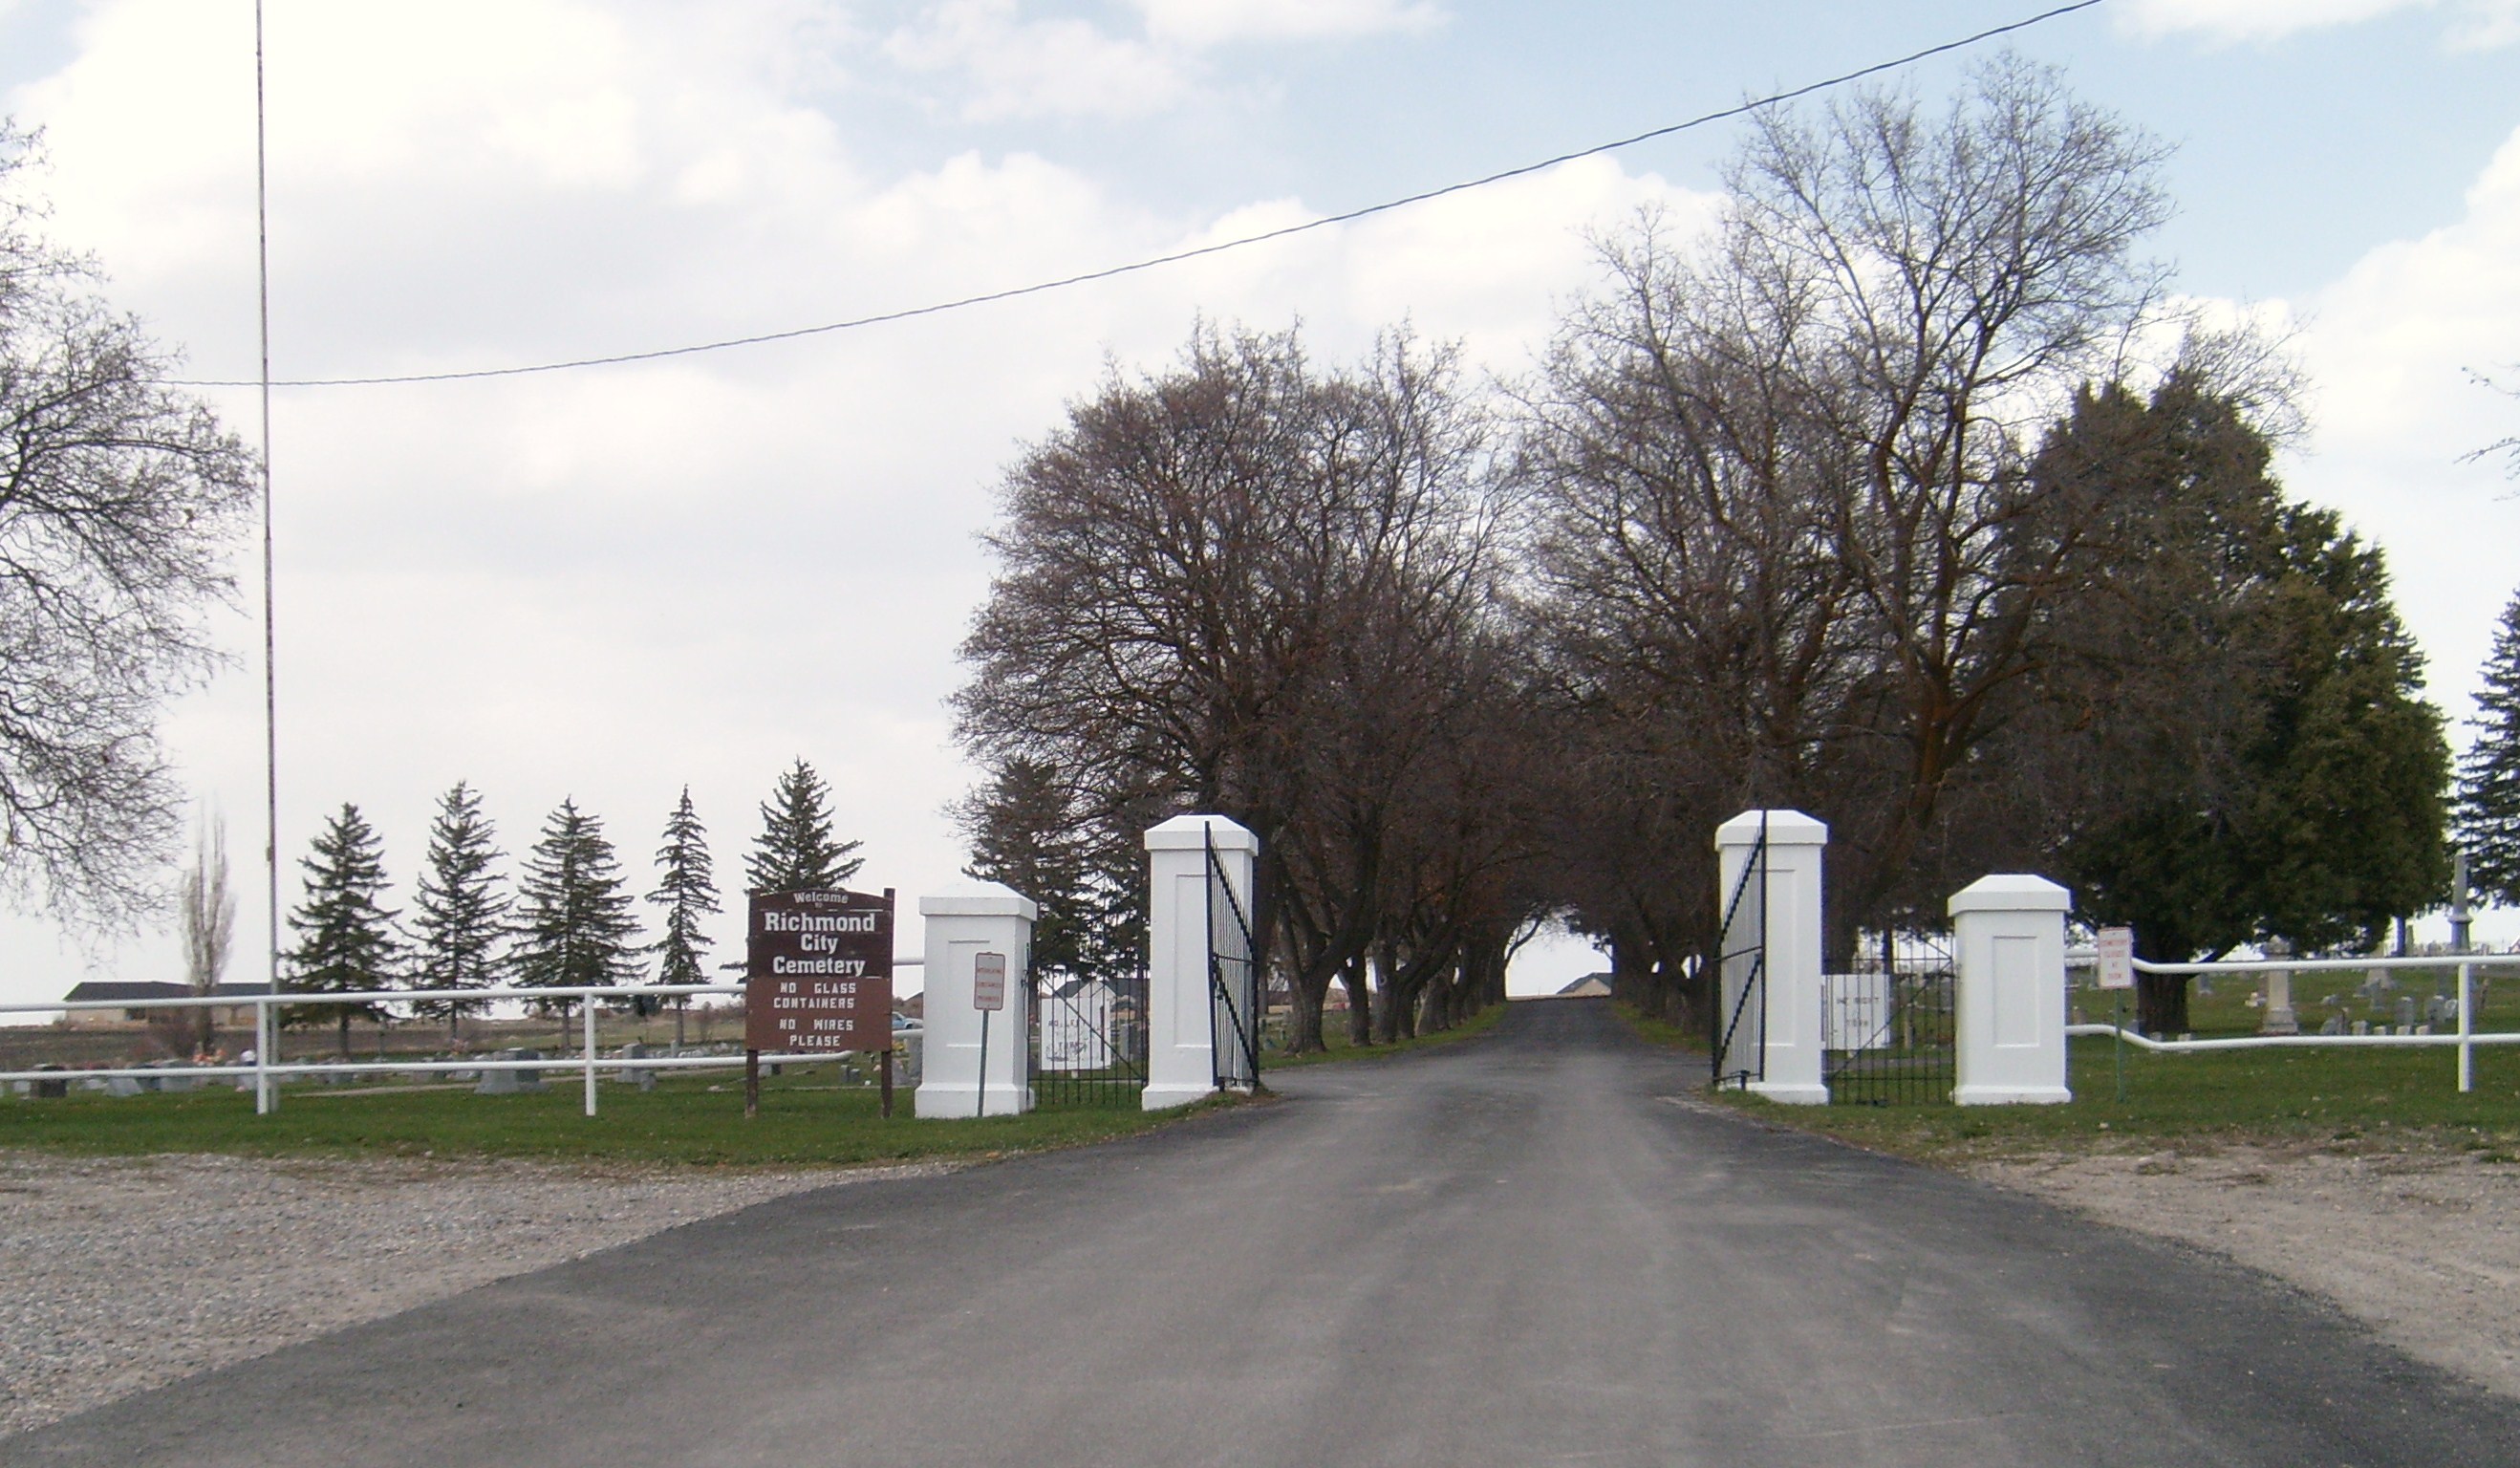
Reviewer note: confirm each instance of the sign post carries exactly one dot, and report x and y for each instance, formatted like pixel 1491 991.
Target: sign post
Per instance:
pixel 988 997
pixel 818 979
pixel 2117 973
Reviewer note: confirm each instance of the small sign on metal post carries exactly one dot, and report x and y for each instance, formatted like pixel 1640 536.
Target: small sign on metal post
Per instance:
pixel 2117 972
pixel 988 997
pixel 2117 957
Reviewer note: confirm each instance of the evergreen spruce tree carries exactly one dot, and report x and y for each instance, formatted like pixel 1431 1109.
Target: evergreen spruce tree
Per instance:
pixel 687 890
pixel 573 922
pixel 794 851
pixel 2488 775
pixel 459 914
pixel 345 941
pixel 1026 834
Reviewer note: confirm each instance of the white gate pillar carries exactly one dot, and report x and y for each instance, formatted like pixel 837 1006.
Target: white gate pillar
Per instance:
pixel 1781 1025
pixel 2009 934
pixel 1181 1011
pixel 961 925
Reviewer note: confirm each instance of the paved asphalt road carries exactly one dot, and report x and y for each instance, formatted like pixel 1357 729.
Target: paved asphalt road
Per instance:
pixel 1519 1252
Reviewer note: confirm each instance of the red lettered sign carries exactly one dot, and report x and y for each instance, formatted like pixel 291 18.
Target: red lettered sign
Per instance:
pixel 818 972
pixel 988 981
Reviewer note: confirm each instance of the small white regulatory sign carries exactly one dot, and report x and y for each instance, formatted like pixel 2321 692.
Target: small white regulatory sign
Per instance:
pixel 2117 957
pixel 988 981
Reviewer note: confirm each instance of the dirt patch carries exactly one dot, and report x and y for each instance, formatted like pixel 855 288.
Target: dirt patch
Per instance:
pixel 2424 1247
pixel 126 1273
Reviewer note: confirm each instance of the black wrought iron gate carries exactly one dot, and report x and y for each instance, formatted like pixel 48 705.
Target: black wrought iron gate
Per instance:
pixel 1888 1027
pixel 1233 981
pixel 1740 1030
pixel 1089 1039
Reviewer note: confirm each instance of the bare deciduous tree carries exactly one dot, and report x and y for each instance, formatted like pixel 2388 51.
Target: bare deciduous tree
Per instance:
pixel 207 909
pixel 117 499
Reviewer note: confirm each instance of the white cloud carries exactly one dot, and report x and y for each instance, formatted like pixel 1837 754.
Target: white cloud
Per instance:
pixel 2388 347
pixel 1213 23
pixel 1057 67
pixel 606 584
pixel 2474 24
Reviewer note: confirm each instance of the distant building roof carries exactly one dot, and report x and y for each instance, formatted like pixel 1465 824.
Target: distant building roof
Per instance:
pixel 1590 986
pixel 116 991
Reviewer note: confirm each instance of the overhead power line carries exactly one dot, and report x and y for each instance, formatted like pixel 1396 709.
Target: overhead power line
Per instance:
pixel 1201 252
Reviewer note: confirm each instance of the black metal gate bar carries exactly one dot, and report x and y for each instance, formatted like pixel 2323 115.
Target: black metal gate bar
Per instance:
pixel 1233 982
pixel 1753 982
pixel 1089 1040
pixel 1891 1031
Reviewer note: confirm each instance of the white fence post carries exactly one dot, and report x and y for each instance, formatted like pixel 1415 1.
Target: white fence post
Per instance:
pixel 1180 1010
pixel 2008 933
pixel 1779 906
pixel 963 923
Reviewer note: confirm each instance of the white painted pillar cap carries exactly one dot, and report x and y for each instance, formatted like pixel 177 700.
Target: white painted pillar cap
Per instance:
pixel 2011 893
pixel 1191 833
pixel 979 899
pixel 1784 828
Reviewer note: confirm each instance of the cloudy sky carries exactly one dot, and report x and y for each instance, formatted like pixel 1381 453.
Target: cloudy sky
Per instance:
pixel 612 582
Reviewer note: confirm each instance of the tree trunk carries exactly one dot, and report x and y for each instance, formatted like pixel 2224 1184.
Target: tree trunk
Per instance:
pixel 1360 1004
pixel 2161 1003
pixel 346 1035
pixel 1304 1031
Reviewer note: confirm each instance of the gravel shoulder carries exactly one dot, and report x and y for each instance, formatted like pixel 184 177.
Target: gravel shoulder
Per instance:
pixel 2422 1247
pixel 126 1273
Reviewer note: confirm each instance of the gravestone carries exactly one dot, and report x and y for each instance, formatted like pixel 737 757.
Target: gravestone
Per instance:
pixel 2406 1012
pixel 121 1086
pixel 2361 1026
pixel 511 1082
pixel 52 1090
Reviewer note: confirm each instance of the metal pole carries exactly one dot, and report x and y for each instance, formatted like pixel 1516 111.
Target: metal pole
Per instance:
pixel 266 1096
pixel 586 1007
pixel 2459 928
pixel 2117 1043
pixel 751 1084
pixel 981 1104
pixel 266 1099
pixel 888 1082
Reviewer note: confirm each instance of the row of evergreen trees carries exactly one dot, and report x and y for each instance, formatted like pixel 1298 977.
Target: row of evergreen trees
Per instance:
pixel 570 920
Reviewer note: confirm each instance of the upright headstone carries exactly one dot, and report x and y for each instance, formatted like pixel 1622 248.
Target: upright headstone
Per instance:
pixel 1185 1016
pixel 963 925
pixel 2279 1017
pixel 1767 865
pixel 2010 933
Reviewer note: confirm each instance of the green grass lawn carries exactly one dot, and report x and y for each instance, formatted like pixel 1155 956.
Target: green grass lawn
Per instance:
pixel 1335 1034
pixel 804 1120
pixel 2366 1099
pixel 2344 1098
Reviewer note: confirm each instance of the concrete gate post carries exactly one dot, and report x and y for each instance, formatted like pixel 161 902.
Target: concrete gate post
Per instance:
pixel 1781 1025
pixel 2009 934
pixel 1181 1011
pixel 961 925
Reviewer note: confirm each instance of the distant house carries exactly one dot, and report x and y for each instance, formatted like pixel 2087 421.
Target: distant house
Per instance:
pixel 1590 986
pixel 111 991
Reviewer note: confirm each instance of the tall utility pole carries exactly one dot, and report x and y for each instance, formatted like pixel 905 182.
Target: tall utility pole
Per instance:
pixel 266 1095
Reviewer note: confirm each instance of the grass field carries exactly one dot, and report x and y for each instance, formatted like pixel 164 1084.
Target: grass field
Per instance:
pixel 805 1120
pixel 2344 1098
pixel 1335 1034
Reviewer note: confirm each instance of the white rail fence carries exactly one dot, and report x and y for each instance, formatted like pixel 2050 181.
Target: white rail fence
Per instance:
pixel 266 1073
pixel 2466 1036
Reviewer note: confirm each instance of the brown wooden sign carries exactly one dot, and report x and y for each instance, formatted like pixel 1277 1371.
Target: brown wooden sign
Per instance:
pixel 818 972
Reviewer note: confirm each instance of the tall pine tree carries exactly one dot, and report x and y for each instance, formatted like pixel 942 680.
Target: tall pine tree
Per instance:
pixel 687 888
pixel 459 914
pixel 2488 775
pixel 345 940
pixel 795 851
pixel 574 924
